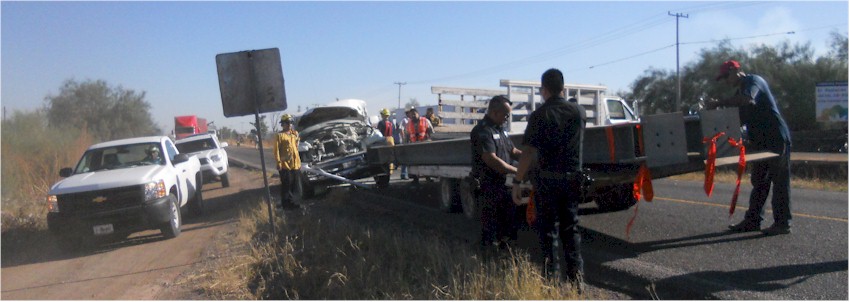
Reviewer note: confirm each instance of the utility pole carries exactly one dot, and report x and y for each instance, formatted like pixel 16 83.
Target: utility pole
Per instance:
pixel 678 78
pixel 399 92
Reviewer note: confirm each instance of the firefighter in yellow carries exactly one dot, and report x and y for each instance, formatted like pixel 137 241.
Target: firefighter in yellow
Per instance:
pixel 288 162
pixel 386 127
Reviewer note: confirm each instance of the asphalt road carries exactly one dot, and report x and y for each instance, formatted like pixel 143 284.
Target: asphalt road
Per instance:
pixel 679 248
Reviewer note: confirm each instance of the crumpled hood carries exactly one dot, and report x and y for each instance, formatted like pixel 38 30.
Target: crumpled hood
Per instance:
pixel 106 179
pixel 319 128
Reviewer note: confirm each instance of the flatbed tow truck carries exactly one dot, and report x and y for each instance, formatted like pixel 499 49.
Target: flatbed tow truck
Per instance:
pixel 666 144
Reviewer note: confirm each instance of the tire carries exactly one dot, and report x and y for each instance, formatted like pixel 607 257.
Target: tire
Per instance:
pixel 225 180
pixel 382 181
pixel 468 201
pixel 449 197
pixel 196 204
pixel 616 198
pixel 307 189
pixel 171 229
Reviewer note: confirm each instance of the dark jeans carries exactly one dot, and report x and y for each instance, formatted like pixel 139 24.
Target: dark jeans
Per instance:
pixel 775 172
pixel 556 205
pixel 498 213
pixel 290 185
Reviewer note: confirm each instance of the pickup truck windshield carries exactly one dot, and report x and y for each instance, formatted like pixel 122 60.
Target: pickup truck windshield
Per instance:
pixel 195 146
pixel 119 157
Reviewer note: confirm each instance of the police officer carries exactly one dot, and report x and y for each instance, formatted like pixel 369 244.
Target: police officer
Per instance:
pixel 552 147
pixel 288 162
pixel 767 131
pixel 492 153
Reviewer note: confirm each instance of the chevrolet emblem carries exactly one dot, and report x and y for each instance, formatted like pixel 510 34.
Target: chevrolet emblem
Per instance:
pixel 99 199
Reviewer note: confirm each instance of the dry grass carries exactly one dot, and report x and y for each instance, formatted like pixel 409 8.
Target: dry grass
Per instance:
pixel 331 253
pixel 32 154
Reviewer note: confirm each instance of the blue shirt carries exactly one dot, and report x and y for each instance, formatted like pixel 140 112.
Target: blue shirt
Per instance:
pixel 766 129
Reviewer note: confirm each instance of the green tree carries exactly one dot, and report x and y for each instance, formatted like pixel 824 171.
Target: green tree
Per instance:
pixel 108 113
pixel 791 70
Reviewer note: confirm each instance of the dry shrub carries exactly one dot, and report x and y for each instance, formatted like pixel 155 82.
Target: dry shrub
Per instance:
pixel 32 155
pixel 332 253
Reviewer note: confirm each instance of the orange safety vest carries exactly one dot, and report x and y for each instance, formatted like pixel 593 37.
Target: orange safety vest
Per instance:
pixel 388 128
pixel 420 135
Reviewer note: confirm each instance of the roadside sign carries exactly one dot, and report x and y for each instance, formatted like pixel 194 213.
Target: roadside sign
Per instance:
pixel 831 101
pixel 251 82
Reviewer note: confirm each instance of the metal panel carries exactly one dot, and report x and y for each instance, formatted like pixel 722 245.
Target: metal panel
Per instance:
pixel 251 81
pixel 664 140
pixel 723 120
pixel 596 144
pixel 446 152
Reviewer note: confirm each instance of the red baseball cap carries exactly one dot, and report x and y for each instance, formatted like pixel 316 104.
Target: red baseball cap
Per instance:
pixel 724 69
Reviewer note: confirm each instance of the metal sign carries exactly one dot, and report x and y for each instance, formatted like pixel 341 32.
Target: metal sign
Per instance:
pixel 251 82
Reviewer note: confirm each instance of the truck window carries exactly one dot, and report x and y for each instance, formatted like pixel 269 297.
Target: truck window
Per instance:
pixel 184 130
pixel 170 150
pixel 616 110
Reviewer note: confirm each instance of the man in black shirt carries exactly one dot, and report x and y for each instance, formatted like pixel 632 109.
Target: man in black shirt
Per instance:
pixel 492 153
pixel 552 150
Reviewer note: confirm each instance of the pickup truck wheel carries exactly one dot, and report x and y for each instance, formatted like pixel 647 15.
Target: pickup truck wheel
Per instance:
pixel 171 228
pixel 616 198
pixel 196 204
pixel 449 197
pixel 468 200
pixel 225 181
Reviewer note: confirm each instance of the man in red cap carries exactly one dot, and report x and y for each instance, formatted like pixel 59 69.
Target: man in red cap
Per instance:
pixel 766 130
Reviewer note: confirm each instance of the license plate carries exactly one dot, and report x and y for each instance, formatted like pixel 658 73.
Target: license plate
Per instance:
pixel 103 229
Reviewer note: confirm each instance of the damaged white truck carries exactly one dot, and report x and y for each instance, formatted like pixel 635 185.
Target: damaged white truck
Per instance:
pixel 125 186
pixel 334 139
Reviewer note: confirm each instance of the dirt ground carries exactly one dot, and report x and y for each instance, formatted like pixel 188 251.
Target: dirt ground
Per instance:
pixel 140 267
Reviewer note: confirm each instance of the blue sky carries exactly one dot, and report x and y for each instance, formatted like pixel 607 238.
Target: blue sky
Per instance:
pixel 333 50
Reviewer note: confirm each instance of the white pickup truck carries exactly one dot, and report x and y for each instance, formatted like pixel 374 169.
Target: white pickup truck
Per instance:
pixel 211 153
pixel 124 186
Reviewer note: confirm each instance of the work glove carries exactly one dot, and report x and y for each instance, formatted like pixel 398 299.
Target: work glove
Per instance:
pixel 516 194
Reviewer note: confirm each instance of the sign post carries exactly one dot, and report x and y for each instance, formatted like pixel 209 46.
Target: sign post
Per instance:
pixel 251 82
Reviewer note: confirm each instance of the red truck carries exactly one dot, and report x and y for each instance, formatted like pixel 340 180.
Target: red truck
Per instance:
pixel 188 125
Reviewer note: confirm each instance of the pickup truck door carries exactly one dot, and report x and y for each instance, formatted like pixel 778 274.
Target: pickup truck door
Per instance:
pixel 185 176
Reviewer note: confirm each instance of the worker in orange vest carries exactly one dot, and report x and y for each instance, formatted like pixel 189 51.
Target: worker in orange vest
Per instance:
pixel 418 129
pixel 386 127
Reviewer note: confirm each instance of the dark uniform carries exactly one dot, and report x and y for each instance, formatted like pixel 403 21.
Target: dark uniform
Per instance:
pixel 555 130
pixel 497 208
pixel 766 130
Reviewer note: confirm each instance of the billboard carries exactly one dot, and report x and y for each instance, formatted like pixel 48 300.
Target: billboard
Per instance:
pixel 831 98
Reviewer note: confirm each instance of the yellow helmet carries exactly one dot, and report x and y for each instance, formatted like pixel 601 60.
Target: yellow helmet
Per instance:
pixel 286 118
pixel 385 112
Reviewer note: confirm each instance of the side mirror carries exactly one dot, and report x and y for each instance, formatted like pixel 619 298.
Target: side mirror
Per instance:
pixel 181 158
pixel 224 145
pixel 66 172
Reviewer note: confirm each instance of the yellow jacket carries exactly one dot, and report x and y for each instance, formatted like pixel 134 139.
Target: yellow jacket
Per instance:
pixel 286 150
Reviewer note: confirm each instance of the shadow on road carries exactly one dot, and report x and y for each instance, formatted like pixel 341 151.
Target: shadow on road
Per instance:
pixel 759 280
